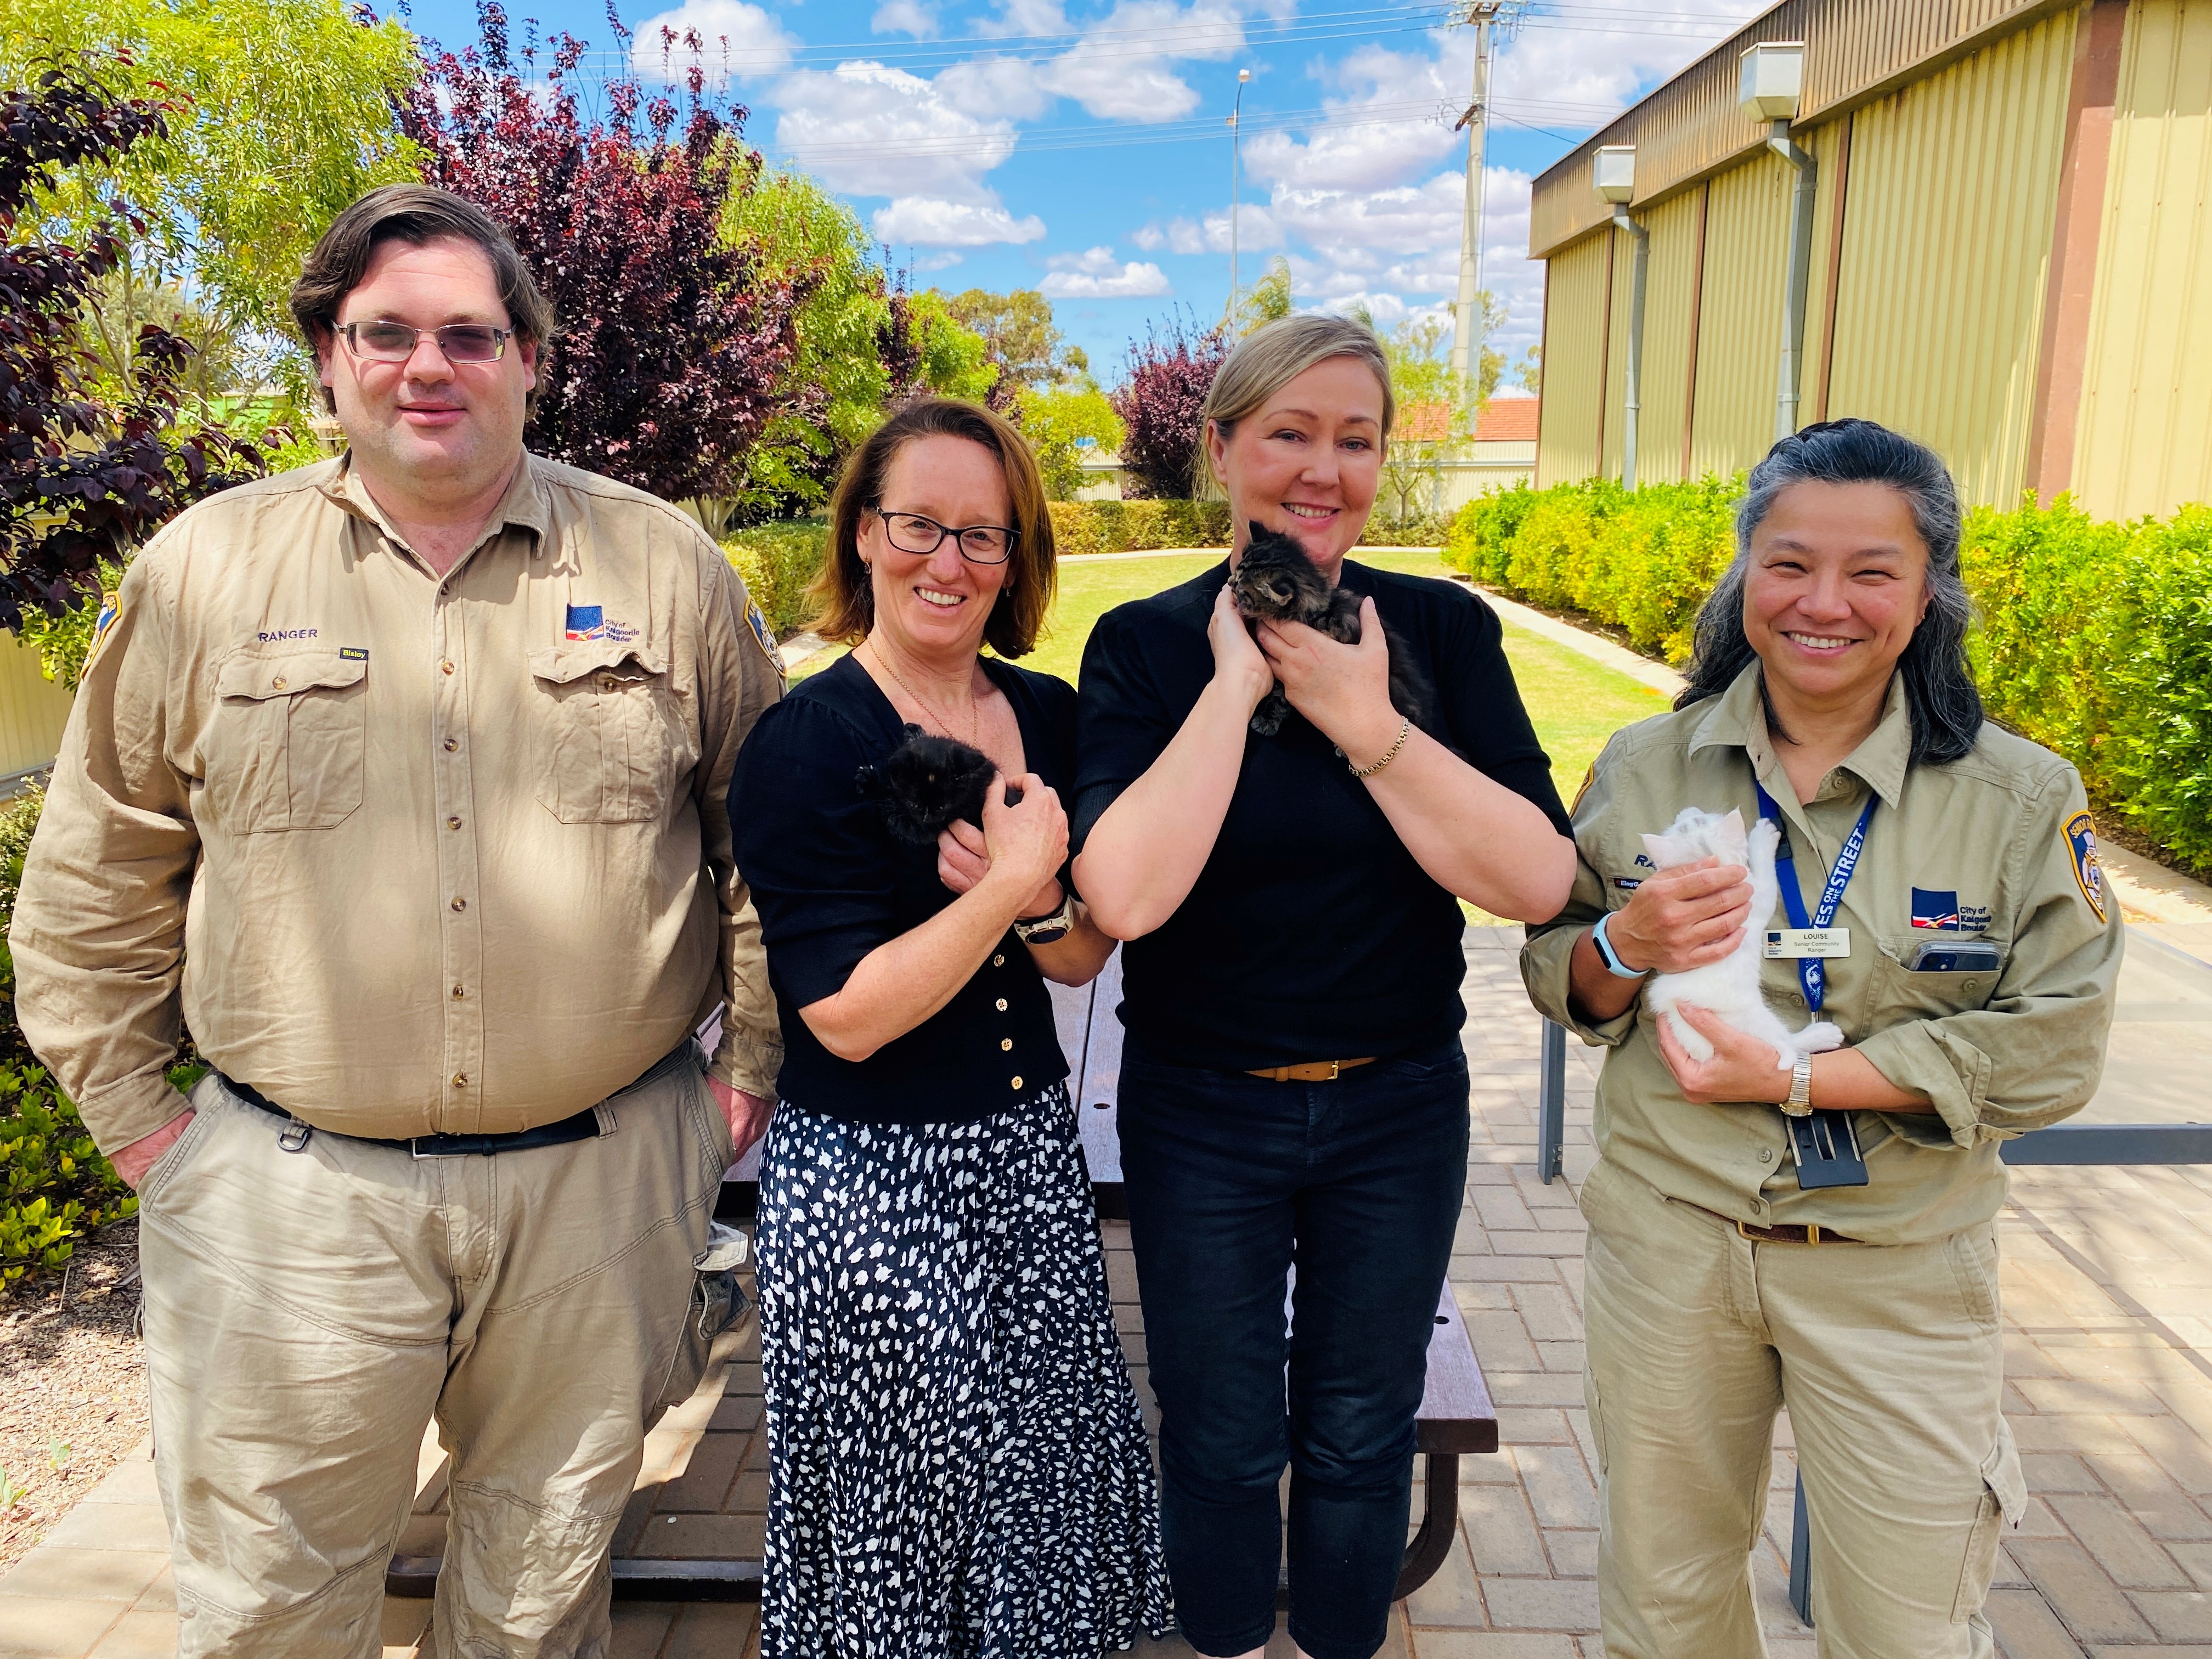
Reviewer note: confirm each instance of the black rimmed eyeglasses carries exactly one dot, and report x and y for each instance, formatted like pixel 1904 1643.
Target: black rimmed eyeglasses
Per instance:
pixel 382 342
pixel 979 543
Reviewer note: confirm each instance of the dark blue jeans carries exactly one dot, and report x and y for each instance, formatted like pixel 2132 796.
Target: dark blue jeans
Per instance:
pixel 1231 1180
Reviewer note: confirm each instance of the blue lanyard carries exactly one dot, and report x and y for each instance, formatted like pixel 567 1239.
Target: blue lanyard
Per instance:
pixel 1810 972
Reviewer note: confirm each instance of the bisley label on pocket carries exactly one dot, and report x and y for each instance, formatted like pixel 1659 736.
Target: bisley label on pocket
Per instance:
pixel 1790 943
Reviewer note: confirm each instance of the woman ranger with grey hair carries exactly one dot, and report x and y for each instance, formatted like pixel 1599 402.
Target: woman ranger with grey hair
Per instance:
pixel 1293 1085
pixel 1941 903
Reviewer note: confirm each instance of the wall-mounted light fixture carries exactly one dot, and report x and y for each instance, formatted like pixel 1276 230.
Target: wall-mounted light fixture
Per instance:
pixel 1772 90
pixel 1612 175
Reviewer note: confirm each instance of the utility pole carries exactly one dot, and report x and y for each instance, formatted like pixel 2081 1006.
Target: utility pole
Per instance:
pixel 1466 326
pixel 1236 142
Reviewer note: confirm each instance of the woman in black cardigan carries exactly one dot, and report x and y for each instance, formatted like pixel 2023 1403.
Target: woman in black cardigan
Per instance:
pixel 957 1465
pixel 1293 1085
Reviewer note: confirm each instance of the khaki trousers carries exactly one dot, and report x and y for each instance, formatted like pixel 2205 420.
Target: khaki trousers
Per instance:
pixel 307 1313
pixel 1889 1362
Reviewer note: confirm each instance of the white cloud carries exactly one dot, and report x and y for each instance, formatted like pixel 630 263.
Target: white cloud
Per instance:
pixel 1097 275
pixel 943 260
pixel 724 36
pixel 904 17
pixel 937 223
pixel 873 130
pixel 1255 229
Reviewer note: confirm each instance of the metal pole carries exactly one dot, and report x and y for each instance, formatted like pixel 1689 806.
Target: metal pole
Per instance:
pixel 1466 324
pixel 1632 399
pixel 1551 1103
pixel 1794 279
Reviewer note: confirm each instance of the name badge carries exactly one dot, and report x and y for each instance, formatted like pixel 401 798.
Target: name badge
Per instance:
pixel 1793 942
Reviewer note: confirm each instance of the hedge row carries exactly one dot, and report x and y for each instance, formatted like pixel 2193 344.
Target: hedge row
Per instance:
pixel 2093 638
pixel 1137 526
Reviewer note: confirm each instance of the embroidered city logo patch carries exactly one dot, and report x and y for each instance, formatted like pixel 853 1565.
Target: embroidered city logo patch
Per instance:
pixel 110 607
pixel 586 621
pixel 1931 909
pixel 2081 841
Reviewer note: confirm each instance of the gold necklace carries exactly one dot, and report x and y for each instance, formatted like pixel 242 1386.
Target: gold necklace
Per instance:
pixel 975 709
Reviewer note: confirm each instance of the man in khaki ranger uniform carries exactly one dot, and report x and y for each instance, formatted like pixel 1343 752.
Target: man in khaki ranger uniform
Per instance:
pixel 1969 956
pixel 400 779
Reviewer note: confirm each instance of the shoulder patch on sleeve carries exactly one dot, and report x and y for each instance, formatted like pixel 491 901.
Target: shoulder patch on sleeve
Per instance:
pixel 2081 846
pixel 763 635
pixel 110 607
pixel 1589 776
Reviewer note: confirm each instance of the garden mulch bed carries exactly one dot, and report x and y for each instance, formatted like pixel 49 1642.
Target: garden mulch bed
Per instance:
pixel 72 1383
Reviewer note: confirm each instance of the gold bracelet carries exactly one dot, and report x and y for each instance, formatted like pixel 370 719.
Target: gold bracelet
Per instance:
pixel 1405 726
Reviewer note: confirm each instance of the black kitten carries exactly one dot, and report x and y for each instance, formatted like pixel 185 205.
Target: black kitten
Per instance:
pixel 928 783
pixel 1275 581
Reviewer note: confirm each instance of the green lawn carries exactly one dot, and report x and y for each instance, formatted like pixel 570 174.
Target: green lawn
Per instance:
pixel 1576 703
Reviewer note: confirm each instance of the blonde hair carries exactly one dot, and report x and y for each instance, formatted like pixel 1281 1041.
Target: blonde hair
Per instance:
pixel 1269 358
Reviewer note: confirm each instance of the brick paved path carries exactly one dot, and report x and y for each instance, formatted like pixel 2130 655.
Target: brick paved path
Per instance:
pixel 2108 1306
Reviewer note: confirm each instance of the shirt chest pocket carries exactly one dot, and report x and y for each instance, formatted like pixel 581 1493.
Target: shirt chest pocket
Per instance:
pixel 286 749
pixel 1901 994
pixel 611 732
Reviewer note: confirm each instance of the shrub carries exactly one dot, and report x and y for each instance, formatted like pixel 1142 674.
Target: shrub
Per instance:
pixel 55 1188
pixel 1169 374
pixel 1137 526
pixel 18 819
pixel 2093 638
pixel 778 562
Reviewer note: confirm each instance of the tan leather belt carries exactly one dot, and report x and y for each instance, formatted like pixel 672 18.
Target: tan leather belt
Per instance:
pixel 1790 1233
pixel 1310 1071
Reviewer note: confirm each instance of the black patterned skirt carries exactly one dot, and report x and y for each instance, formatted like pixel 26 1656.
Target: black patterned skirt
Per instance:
pixel 957 1465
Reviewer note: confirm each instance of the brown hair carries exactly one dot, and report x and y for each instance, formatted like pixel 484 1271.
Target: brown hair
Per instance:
pixel 846 602
pixel 414 214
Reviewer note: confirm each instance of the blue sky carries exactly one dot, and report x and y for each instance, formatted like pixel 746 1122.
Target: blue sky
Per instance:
pixel 1082 146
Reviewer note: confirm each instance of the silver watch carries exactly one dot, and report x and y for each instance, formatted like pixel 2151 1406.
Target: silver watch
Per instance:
pixel 1800 1103
pixel 1049 930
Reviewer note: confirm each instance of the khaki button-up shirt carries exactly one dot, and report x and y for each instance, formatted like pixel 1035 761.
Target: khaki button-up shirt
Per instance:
pixel 407 853
pixel 1995 846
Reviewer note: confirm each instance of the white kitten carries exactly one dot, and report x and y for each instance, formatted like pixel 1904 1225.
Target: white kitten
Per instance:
pixel 1729 987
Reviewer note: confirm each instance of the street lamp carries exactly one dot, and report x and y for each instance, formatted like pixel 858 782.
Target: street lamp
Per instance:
pixel 1235 142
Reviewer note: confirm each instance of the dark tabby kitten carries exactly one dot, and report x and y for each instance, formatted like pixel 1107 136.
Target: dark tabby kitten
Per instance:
pixel 1276 581
pixel 927 782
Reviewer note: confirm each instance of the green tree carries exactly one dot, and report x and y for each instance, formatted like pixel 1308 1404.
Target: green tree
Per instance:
pixel 950 358
pixel 1268 300
pixel 1529 371
pixel 1064 424
pixel 834 394
pixel 286 115
pixel 1435 416
pixel 1017 328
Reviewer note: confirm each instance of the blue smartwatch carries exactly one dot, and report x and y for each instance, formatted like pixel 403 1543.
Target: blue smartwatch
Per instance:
pixel 1614 964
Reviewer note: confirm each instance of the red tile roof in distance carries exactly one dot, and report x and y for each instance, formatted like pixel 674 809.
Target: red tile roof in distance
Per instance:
pixel 1507 420
pixel 1423 423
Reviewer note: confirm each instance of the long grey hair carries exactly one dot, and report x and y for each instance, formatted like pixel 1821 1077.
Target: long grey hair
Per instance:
pixel 1939 685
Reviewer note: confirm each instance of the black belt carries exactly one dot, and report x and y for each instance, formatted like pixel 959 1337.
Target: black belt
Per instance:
pixel 582 1126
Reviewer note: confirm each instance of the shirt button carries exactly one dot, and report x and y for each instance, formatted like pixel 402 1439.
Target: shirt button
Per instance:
pixel 451 743
pixel 453 823
pixel 461 1080
pixel 1005 1042
pixel 1002 1004
pixel 277 684
pixel 461 904
pixel 1758 1204
pixel 447 665
pixel 1017 1083
pixel 458 994
pixel 997 961
pixel 1765 1155
pixel 606 682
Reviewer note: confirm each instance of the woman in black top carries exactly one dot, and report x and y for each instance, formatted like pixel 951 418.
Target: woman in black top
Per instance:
pixel 1293 1089
pixel 957 1464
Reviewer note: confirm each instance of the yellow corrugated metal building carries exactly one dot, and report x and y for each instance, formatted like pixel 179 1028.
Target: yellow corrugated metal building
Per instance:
pixel 2010 252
